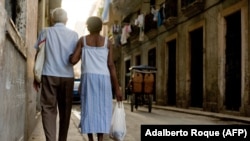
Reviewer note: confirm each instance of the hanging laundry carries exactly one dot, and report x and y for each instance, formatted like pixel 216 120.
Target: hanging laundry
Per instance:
pixel 125 33
pixel 140 20
pixel 155 13
pixel 140 23
pixel 116 30
pixel 159 19
pixel 162 13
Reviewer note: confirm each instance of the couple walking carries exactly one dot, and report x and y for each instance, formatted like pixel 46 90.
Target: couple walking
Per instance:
pixel 98 78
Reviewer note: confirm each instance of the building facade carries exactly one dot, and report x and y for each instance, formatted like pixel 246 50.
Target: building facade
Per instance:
pixel 200 48
pixel 21 20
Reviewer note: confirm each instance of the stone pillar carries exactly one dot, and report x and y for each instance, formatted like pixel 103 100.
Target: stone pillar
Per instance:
pixel 41 14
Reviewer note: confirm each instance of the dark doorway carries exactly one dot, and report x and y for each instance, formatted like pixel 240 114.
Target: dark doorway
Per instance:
pixel 152 57
pixel 196 85
pixel 127 76
pixel 233 62
pixel 152 62
pixel 171 81
pixel 138 60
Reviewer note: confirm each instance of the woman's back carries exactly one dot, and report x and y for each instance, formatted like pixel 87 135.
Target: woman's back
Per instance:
pixel 95 56
pixel 95 40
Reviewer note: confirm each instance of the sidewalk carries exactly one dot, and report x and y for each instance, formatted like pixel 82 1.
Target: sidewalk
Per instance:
pixel 204 113
pixel 75 135
pixel 73 132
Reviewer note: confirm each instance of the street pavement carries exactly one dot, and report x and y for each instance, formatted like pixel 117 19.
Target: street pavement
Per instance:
pixel 75 135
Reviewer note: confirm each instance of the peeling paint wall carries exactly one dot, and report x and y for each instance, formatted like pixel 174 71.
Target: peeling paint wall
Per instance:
pixel 21 20
pixel 13 94
pixel 21 9
pixel 17 109
pixel 13 78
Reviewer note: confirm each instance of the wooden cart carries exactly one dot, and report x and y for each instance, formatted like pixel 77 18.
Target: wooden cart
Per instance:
pixel 142 85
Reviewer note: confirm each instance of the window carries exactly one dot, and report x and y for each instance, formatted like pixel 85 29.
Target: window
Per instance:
pixel 16 10
pixel 11 8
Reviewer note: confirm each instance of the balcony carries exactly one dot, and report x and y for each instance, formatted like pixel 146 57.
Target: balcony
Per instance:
pixel 126 7
pixel 170 21
pixel 191 7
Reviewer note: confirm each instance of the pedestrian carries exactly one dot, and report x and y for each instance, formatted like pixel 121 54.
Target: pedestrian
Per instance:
pixel 98 77
pixel 57 76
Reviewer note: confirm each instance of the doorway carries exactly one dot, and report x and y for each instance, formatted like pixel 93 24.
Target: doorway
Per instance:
pixel 233 62
pixel 127 77
pixel 138 60
pixel 196 70
pixel 171 81
pixel 152 62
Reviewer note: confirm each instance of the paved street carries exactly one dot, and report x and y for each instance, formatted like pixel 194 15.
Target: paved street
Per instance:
pixel 159 115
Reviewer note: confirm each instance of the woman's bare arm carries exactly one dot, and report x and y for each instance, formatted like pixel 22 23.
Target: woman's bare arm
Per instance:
pixel 75 57
pixel 112 70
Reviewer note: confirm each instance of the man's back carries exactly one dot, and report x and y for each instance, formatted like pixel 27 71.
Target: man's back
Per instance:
pixel 60 43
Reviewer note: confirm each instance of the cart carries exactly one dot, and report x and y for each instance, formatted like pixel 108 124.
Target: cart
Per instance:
pixel 142 86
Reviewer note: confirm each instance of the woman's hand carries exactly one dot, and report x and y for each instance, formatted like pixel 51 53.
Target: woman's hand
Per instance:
pixel 36 85
pixel 118 95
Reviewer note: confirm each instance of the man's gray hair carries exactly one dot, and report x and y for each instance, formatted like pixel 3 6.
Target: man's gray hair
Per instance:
pixel 59 15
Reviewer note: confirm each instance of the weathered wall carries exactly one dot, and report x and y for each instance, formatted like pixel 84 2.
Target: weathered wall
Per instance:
pixel 212 20
pixel 17 97
pixel 13 93
pixel 13 76
pixel 211 58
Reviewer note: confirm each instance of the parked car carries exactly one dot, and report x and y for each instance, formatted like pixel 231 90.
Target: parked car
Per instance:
pixel 76 95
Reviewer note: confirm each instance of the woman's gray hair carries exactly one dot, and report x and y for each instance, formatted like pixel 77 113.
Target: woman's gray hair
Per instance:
pixel 59 15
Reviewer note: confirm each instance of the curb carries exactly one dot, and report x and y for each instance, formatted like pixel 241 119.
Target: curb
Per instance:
pixel 203 113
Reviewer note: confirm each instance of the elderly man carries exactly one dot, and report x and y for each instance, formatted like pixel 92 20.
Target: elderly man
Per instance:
pixel 57 76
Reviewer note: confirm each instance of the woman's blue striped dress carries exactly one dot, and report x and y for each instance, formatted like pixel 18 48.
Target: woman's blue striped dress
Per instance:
pixel 96 90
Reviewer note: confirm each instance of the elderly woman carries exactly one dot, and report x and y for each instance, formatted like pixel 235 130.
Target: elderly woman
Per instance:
pixel 98 77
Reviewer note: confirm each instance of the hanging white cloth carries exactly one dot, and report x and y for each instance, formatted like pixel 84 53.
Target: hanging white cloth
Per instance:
pixel 116 28
pixel 140 20
pixel 140 23
pixel 155 13
pixel 125 33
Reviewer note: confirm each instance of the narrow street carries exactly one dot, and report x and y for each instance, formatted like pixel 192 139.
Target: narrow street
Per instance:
pixel 135 119
pixel 197 53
